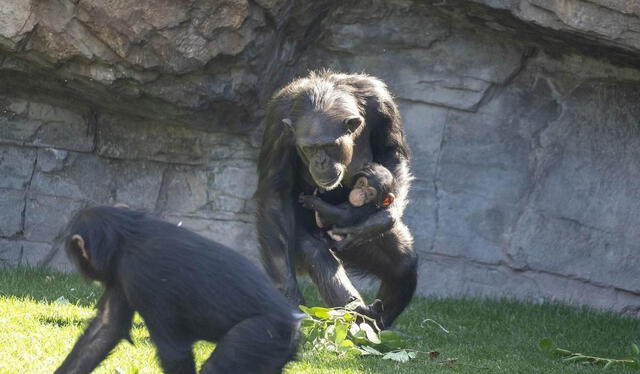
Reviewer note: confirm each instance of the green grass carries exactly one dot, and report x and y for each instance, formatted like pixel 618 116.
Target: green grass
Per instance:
pixel 37 332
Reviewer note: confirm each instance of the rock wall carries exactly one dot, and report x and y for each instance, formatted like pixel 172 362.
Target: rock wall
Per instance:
pixel 523 117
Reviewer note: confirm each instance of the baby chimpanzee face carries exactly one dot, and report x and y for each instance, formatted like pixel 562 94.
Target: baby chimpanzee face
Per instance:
pixel 374 186
pixel 362 193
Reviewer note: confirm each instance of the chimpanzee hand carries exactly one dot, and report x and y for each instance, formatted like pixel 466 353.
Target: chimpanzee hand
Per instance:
pixel 374 311
pixel 368 230
pixel 308 201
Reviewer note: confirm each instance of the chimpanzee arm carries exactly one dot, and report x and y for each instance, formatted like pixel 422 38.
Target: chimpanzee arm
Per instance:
pixel 275 220
pixel 340 215
pixel 111 324
pixel 390 149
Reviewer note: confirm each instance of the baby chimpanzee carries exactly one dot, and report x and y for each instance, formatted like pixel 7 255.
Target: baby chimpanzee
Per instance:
pixel 373 190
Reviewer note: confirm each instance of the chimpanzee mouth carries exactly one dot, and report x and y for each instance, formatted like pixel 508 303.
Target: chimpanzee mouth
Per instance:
pixel 330 183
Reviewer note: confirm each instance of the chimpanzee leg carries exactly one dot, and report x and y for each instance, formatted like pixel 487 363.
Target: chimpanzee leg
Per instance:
pixel 175 358
pixel 326 271
pixel 392 259
pixel 261 344
pixel 111 324
pixel 174 350
pixel 280 267
pixel 396 291
pixel 398 283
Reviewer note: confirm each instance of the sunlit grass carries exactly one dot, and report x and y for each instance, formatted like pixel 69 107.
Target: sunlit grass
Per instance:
pixel 42 314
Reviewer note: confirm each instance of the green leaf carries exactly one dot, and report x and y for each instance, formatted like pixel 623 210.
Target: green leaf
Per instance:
pixel 337 312
pixel 307 323
pixel 608 365
pixel 367 350
pixel 329 333
pixel 312 334
pixel 322 313
pixel 372 336
pixel 400 356
pixel 546 345
pixel 354 329
pixel 346 345
pixel 348 317
pixel 305 310
pixel 392 339
pixel 635 349
pixel 360 338
pixel 340 333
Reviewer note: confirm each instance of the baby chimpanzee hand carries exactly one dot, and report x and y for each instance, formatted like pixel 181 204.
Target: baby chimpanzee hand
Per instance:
pixel 307 201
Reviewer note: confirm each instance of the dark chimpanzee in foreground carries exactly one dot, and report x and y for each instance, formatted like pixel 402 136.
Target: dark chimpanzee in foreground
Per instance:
pixel 373 190
pixel 185 287
pixel 320 132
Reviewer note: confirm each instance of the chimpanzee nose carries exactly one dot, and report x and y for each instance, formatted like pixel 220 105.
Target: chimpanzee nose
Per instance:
pixel 321 160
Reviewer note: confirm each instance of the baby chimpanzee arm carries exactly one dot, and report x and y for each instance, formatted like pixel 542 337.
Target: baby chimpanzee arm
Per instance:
pixel 339 215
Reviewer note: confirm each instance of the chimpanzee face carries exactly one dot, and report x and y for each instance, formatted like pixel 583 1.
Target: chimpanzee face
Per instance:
pixel 362 193
pixel 324 137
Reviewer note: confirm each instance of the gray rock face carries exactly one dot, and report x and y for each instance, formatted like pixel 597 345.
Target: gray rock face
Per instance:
pixel 616 23
pixel 522 116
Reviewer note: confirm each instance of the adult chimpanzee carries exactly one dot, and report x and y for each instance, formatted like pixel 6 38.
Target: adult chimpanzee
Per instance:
pixel 185 287
pixel 320 131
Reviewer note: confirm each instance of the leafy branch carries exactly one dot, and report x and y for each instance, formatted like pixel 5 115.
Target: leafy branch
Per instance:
pixel 347 332
pixel 633 361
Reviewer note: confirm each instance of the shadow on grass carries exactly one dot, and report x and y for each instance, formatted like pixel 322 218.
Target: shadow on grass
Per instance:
pixel 46 286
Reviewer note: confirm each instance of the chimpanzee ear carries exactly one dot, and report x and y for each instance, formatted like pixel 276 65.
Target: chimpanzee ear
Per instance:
pixel 353 123
pixel 79 242
pixel 388 200
pixel 288 123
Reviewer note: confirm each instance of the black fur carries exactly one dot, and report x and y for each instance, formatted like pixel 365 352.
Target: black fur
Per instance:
pixel 345 214
pixel 186 288
pixel 379 178
pixel 286 229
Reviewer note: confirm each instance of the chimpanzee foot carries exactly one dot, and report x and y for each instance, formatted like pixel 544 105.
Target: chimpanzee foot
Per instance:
pixel 373 311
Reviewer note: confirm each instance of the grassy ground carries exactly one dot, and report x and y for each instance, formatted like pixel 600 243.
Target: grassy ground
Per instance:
pixel 41 315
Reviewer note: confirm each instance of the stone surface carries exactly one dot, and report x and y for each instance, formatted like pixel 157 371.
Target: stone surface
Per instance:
pixel 16 167
pixel 607 21
pixel 23 253
pixel 45 216
pixel 41 124
pixel 12 207
pixel 522 116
